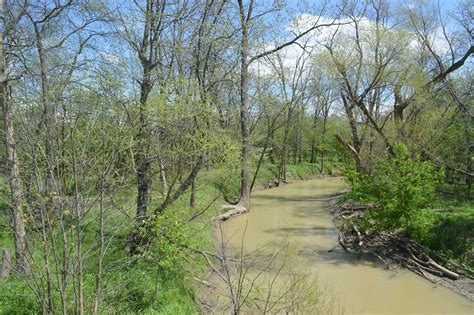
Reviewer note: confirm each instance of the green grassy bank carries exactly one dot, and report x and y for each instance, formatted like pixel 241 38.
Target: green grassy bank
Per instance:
pixel 160 279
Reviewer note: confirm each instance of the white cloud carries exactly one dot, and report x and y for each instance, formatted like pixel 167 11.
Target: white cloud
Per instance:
pixel 110 57
pixel 346 33
pixel 292 55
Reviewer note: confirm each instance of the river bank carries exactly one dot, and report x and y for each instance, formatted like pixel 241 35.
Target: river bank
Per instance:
pixel 390 249
pixel 398 250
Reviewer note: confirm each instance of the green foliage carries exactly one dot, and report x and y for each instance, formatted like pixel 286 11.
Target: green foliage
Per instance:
pixel 422 225
pixel 302 170
pixel 399 188
pixel 147 290
pixel 449 232
pixel 172 240
pixel 6 239
pixel 361 186
pixel 16 298
pixel 156 282
pixel 453 235
pixel 402 189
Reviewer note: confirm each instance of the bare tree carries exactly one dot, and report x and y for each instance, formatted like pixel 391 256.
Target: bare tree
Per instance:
pixel 9 23
pixel 147 47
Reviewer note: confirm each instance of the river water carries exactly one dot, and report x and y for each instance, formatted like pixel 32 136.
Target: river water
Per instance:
pixel 299 212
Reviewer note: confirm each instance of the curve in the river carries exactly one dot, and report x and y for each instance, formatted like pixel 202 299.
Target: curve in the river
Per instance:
pixel 299 211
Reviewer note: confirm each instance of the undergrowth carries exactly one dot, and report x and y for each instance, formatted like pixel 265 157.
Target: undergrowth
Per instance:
pixel 159 280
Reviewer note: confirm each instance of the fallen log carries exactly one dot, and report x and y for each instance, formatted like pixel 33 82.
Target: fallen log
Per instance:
pixel 430 263
pixel 353 215
pixel 448 273
pixel 234 210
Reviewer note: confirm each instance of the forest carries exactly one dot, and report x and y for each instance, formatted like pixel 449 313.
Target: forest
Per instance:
pixel 132 129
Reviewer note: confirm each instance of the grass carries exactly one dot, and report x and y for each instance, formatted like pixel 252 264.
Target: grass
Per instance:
pixel 160 281
pixel 447 228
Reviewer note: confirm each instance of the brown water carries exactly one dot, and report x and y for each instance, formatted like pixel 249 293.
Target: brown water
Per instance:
pixel 299 211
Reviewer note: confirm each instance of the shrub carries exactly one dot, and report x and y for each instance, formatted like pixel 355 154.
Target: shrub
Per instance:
pixel 399 187
pixel 172 240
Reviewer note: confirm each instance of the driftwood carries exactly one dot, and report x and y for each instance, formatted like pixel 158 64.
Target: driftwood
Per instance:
pixel 343 244
pixel 356 207
pixel 234 210
pixel 350 211
pixel 393 248
pixel 359 235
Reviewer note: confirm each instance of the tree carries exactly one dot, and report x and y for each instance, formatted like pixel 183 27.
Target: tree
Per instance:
pixel 10 19
pixel 149 52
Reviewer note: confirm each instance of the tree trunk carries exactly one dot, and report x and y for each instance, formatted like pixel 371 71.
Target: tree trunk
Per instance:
pixel 142 162
pixel 181 189
pixel 313 140
pixel 323 140
pixel 48 112
pixel 271 154
pixel 284 151
pixel 100 254
pixel 6 263
pixel 398 110
pixel 260 160
pixel 78 208
pixel 355 155
pixel 164 182
pixel 356 142
pixel 12 164
pixel 192 201
pixel 377 128
pixel 244 114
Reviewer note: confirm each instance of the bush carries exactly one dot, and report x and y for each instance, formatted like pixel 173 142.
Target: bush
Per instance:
pixel 398 188
pixel 172 240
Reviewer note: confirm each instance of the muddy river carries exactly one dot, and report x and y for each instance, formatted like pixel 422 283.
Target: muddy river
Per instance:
pixel 299 212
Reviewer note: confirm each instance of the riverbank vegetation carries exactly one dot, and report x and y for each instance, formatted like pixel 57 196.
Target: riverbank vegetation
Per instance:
pixel 127 124
pixel 400 221
pixel 163 277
